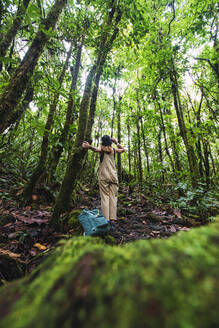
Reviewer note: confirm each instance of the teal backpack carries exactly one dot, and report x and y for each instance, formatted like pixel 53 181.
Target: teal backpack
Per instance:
pixel 94 223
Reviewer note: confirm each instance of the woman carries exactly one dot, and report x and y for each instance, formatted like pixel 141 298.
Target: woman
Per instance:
pixel 107 175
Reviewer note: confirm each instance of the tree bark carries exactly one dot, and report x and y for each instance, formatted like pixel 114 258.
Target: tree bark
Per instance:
pixel 20 79
pixel 40 168
pixel 160 153
pixel 119 168
pixel 140 175
pixel 84 127
pixel 76 159
pixel 129 148
pixel 194 172
pixel 16 116
pixel 165 138
pixel 57 151
pixel 145 146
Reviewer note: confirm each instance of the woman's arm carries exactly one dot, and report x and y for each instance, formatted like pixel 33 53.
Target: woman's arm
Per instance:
pixel 120 148
pixel 88 146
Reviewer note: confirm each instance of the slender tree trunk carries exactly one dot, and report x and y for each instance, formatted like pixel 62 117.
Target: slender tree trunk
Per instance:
pixel 174 149
pixel 40 168
pixel 139 151
pixel 194 172
pixel 129 148
pixel 19 81
pixel 57 151
pixel 114 107
pixel 206 161
pixel 119 141
pixel 212 160
pixel 145 146
pixel 160 153
pixel 12 31
pixel 165 138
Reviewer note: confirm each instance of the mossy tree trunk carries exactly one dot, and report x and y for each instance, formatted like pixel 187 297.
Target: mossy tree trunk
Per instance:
pixel 22 107
pixel 19 81
pixel 76 158
pixel 192 160
pixel 88 284
pixel 12 31
pixel 41 166
pixel 58 149
pixel 75 163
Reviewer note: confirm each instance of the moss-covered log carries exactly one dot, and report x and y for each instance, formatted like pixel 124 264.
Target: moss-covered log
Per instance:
pixel 156 283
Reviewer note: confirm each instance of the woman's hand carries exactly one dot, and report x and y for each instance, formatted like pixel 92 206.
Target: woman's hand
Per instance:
pixel 86 144
pixel 114 140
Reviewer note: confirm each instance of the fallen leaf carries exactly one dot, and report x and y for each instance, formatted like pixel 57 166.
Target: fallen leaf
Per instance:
pixel 10 254
pixel 144 222
pixel 28 219
pixel 177 213
pixel 28 208
pixel 39 246
pixel 172 228
pixel 156 232
pixel 34 197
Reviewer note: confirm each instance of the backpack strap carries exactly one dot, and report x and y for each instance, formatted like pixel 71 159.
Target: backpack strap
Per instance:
pixel 101 156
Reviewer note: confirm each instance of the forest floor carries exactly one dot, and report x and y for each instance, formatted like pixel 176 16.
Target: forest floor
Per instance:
pixel 26 235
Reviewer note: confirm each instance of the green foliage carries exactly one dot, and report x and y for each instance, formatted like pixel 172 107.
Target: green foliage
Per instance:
pixel 155 38
pixel 196 201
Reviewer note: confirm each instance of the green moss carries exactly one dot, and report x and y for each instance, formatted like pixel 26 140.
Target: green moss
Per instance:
pixel 156 283
pixel 70 221
pixel 110 240
pixel 73 222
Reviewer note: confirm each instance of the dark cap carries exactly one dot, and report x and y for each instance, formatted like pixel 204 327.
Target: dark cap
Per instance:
pixel 106 140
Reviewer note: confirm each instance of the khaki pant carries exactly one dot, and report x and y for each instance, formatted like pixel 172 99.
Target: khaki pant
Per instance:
pixel 108 195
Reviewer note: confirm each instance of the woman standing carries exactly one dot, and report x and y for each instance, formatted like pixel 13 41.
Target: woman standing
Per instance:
pixel 107 175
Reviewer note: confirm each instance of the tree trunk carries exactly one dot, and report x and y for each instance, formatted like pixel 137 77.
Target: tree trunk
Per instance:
pixel 194 172
pixel 119 141
pixel 114 107
pixel 78 153
pixel 165 138
pixel 139 151
pixel 19 81
pixel 129 148
pixel 40 168
pixel 57 151
pixel 206 161
pixel 11 33
pixel 145 146
pixel 75 161
pixel 15 118
pixel 160 153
